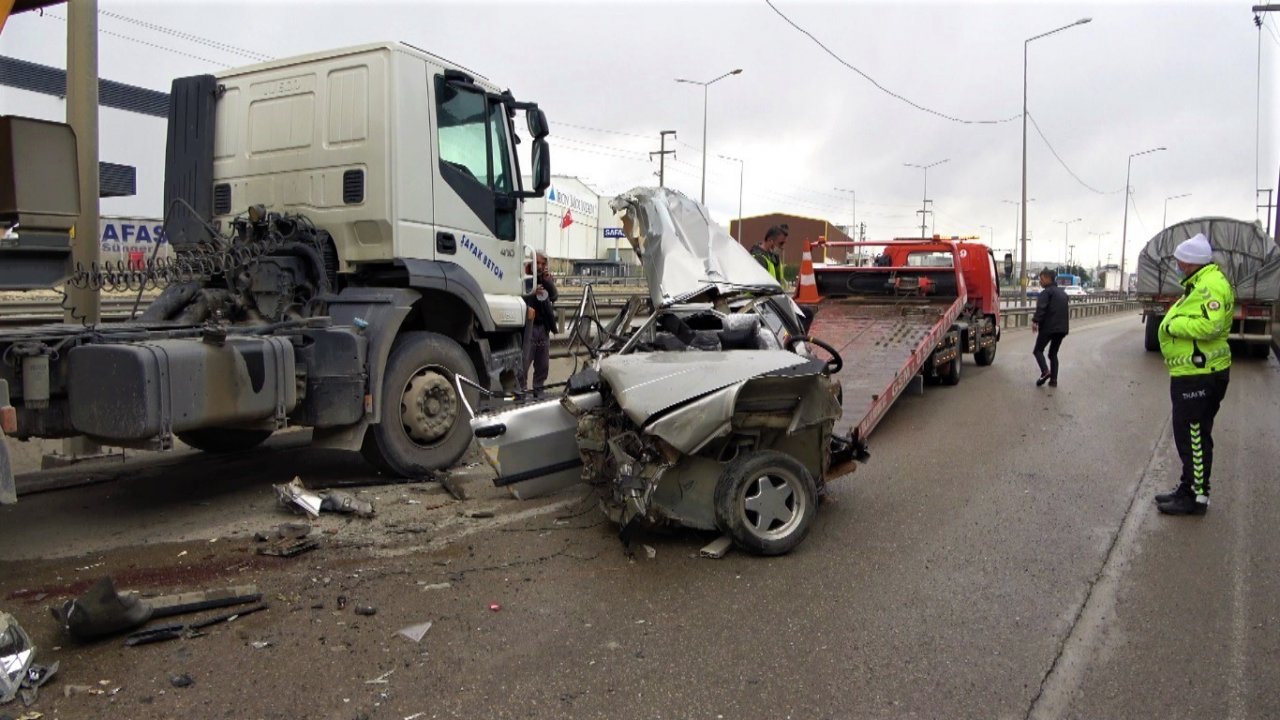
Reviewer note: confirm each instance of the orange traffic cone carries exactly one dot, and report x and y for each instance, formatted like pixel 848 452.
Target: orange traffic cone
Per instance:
pixel 807 291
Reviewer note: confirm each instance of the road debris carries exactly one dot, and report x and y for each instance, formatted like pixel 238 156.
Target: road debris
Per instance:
pixel 286 540
pixel 495 607
pixel 650 551
pixel 717 548
pixel 415 632
pixel 261 644
pixel 16 656
pixel 366 610
pixel 181 681
pixel 453 487
pixel 103 611
pixel 156 634
pixel 295 496
pixel 435 586
pixel 478 514
pixel 381 679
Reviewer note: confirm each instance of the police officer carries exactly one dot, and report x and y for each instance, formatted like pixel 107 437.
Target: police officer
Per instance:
pixel 1193 340
pixel 765 254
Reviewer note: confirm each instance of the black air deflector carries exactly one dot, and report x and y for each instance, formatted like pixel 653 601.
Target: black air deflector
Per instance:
pixel 188 165
pixel 221 199
pixel 353 187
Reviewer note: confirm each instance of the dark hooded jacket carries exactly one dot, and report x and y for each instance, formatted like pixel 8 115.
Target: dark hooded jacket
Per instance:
pixel 1052 314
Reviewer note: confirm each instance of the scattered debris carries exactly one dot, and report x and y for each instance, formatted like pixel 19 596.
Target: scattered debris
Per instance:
pixel 366 610
pixel 16 655
pixel 155 634
pixel 69 690
pixel 381 679
pixel 435 586
pixel 228 617
pixel 414 716
pixel 90 567
pixel 30 715
pixel 296 496
pixel 184 552
pixel 478 514
pixel 415 632
pixel 651 551
pixel 181 681
pixel 716 548
pixel 284 531
pixel 342 601
pixel 495 607
pixel 261 644
pixel 102 611
pixel 453 487
pixel 287 547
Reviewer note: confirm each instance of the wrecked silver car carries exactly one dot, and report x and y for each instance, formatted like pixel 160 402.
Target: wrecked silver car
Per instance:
pixel 710 413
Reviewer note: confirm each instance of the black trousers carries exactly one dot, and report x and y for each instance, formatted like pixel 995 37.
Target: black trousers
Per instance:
pixel 1054 341
pixel 1196 399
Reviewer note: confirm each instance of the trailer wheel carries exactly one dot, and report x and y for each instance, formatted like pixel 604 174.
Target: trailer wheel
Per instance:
pixel 950 374
pixel 1151 336
pixel 986 355
pixel 224 440
pixel 423 425
pixel 765 501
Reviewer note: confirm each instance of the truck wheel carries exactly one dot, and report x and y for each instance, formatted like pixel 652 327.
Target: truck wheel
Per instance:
pixel 423 424
pixel 951 371
pixel 1260 351
pixel 766 501
pixel 224 440
pixel 1151 337
pixel 986 355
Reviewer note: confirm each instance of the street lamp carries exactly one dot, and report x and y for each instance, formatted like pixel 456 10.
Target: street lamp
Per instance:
pixel 853 218
pixel 924 212
pixel 1164 221
pixel 1025 45
pixel 1124 229
pixel 1099 236
pixel 1066 232
pixel 741 170
pixel 706 85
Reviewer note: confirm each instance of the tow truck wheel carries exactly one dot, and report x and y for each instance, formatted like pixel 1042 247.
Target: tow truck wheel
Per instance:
pixel 423 424
pixel 766 501
pixel 950 374
pixel 986 355
pixel 1151 334
pixel 224 440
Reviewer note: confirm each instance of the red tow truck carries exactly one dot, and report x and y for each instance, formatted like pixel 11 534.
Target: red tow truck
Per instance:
pixel 913 312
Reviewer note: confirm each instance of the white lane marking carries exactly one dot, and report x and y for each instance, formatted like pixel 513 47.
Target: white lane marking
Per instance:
pixel 1238 681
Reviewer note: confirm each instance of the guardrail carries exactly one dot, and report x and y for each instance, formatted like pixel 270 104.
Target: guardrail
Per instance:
pixel 1021 317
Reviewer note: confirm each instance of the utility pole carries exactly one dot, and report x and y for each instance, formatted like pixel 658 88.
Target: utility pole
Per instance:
pixel 853 216
pixel 1267 207
pixel 924 211
pixel 662 154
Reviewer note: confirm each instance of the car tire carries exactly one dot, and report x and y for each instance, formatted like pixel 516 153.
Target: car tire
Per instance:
pixel 423 425
pixel 766 501
pixel 986 355
pixel 1151 335
pixel 221 441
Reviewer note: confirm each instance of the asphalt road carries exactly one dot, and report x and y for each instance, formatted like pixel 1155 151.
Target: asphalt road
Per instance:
pixel 999 557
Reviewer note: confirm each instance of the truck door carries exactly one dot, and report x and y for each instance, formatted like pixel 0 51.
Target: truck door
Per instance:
pixel 476 209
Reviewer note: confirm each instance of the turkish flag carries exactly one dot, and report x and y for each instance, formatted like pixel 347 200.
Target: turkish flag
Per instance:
pixel 567 220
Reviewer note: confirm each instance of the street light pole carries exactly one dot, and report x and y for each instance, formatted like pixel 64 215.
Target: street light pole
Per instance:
pixel 741 171
pixel 705 86
pixel 853 217
pixel 1164 221
pixel 1016 214
pixel 1025 45
pixel 1066 233
pixel 1099 235
pixel 1124 228
pixel 924 211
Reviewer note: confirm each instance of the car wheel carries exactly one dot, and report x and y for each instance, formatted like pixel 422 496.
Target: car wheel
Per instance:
pixel 766 501
pixel 423 425
pixel 224 440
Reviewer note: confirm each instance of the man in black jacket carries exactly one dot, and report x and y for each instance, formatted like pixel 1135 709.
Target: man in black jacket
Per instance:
pixel 1050 323
pixel 540 324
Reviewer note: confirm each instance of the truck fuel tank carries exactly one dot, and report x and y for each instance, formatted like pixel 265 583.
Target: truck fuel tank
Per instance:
pixel 141 390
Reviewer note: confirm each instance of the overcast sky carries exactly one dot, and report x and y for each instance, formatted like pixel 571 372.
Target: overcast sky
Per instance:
pixel 1138 76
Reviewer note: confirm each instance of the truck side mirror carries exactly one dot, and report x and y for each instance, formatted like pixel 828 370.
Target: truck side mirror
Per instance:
pixel 1008 266
pixel 541 166
pixel 537 122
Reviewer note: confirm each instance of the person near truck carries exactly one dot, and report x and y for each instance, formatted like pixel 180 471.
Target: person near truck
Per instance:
pixel 540 324
pixel 765 254
pixel 1050 324
pixel 1193 340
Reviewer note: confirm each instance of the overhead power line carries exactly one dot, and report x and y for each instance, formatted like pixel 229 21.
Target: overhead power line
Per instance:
pixel 880 87
pixel 140 41
pixel 1063 163
pixel 224 47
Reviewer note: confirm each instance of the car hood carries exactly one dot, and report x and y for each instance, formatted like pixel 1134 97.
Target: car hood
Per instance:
pixel 683 251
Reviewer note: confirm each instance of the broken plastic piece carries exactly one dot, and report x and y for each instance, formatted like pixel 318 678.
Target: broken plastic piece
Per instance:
pixel 295 494
pixel 16 655
pixel 36 676
pixel 717 548
pixel 341 501
pixel 101 610
pixel 495 607
pixel 415 632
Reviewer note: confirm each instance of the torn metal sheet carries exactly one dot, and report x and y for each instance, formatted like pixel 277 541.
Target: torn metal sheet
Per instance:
pixel 16 655
pixel 294 494
pixel 415 632
pixel 717 548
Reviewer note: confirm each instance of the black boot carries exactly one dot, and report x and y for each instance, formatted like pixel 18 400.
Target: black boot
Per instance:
pixel 1171 495
pixel 1185 505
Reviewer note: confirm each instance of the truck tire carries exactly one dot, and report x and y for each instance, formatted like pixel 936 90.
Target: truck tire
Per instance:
pixel 423 425
pixel 766 501
pixel 986 355
pixel 1260 351
pixel 950 374
pixel 224 440
pixel 1151 337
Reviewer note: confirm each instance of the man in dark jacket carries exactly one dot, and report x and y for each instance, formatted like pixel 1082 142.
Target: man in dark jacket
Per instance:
pixel 540 324
pixel 1050 323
